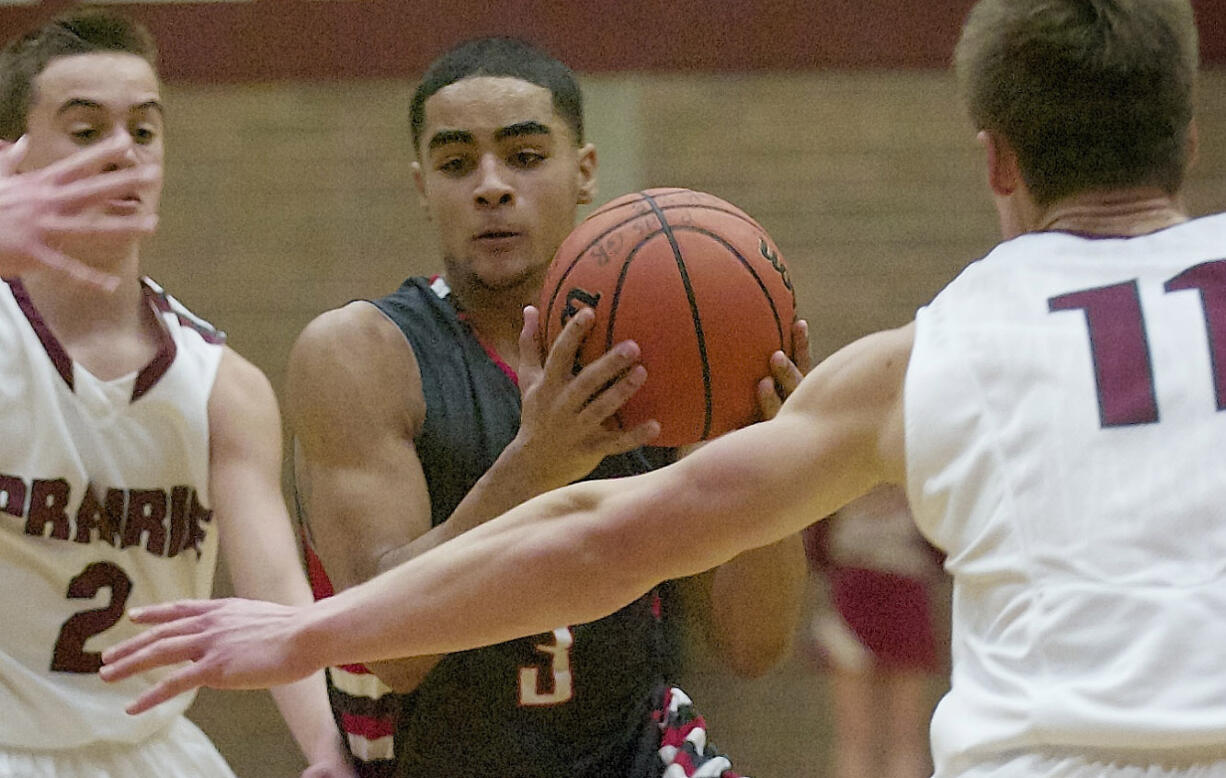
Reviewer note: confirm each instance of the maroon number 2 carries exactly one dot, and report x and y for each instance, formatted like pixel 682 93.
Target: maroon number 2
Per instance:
pixel 70 655
pixel 1123 370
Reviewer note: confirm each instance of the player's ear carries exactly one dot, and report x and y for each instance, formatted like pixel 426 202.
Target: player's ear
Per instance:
pixel 587 173
pixel 1004 175
pixel 419 183
pixel 1193 144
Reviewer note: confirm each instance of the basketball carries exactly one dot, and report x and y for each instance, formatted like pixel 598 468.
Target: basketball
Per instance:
pixel 701 288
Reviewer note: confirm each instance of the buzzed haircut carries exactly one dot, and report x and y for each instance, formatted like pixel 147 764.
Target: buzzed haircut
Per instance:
pixel 1090 94
pixel 500 57
pixel 78 32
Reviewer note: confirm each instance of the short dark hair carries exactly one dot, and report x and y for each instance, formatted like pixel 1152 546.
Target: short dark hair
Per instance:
pixel 498 56
pixel 79 32
pixel 1091 94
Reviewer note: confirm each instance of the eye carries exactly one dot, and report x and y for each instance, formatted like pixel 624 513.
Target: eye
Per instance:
pixel 84 135
pixel 454 166
pixel 144 134
pixel 525 158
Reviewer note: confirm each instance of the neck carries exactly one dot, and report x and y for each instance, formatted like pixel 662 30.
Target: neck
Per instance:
pixel 1122 214
pixel 497 314
pixel 74 310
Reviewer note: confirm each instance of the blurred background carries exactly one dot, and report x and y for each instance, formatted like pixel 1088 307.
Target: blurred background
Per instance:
pixel 834 122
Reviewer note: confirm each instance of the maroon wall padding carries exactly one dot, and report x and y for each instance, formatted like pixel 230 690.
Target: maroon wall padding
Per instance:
pixel 341 39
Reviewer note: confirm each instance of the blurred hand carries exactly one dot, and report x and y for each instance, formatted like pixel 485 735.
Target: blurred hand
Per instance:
pixel 39 208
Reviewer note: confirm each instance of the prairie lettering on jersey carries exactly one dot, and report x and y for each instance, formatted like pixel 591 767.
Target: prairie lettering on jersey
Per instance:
pixel 164 523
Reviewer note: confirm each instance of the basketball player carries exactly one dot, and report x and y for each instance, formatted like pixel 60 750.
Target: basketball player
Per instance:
pixel 137 442
pixel 1056 413
pixel 420 415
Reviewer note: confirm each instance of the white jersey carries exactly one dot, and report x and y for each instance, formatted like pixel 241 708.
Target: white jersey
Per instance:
pixel 104 506
pixel 1065 412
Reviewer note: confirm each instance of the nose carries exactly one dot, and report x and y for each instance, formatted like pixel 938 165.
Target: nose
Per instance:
pixel 493 187
pixel 122 140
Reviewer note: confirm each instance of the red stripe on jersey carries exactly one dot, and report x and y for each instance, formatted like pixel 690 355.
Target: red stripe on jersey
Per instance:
pixel 356 669
pixel 683 759
pixel 675 736
pixel 321 584
pixel 368 727
pixel 321 587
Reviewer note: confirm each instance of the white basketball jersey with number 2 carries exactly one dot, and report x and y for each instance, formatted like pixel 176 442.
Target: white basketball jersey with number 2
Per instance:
pixel 103 507
pixel 1066 446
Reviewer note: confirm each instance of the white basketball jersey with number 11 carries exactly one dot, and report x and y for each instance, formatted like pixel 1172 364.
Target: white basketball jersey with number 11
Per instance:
pixel 103 507
pixel 1066 446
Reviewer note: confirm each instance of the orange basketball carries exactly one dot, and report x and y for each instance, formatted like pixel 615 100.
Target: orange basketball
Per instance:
pixel 702 289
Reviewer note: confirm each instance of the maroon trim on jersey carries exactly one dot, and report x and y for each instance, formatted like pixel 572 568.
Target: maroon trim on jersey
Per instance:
pixel 162 304
pixel 151 373
pixel 145 379
pixel 59 357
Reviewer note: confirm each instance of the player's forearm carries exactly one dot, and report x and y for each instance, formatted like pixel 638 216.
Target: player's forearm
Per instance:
pixel 570 556
pixel 755 601
pixel 510 481
pixel 304 706
pixel 507 483
pixel 487 586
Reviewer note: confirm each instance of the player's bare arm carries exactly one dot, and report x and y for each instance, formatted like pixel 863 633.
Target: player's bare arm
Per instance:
pixel 356 405
pixel 836 437
pixel 39 208
pixel 749 606
pixel 257 540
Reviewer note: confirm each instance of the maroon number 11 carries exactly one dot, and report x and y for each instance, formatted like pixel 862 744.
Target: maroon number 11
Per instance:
pixel 1123 370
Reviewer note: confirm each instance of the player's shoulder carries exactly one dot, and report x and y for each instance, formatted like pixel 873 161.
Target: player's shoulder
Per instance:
pixel 241 383
pixel 353 335
pixel 350 357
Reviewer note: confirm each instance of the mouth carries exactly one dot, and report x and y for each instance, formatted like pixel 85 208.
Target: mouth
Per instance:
pixel 126 204
pixel 492 235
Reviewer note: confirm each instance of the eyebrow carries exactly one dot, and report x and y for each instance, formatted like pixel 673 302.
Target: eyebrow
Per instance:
pixel 445 137
pixel 81 102
pixel 521 128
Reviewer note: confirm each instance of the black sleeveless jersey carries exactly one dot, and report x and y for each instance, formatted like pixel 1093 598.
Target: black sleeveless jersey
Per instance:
pixel 575 702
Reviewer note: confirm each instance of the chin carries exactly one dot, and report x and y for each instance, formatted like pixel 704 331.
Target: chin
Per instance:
pixel 498 282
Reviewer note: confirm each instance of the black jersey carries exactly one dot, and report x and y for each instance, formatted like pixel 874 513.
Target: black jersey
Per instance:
pixel 575 702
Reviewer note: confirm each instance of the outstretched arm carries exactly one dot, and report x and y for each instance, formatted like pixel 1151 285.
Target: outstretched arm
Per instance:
pixel 569 556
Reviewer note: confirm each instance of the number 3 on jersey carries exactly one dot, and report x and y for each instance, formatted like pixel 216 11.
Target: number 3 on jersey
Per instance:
pixel 562 687
pixel 1123 371
pixel 69 655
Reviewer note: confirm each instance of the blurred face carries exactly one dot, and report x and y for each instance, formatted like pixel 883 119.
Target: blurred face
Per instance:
pixel 500 176
pixel 83 99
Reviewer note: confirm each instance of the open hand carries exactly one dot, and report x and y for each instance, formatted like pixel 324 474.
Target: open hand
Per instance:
pixel 40 208
pixel 230 644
